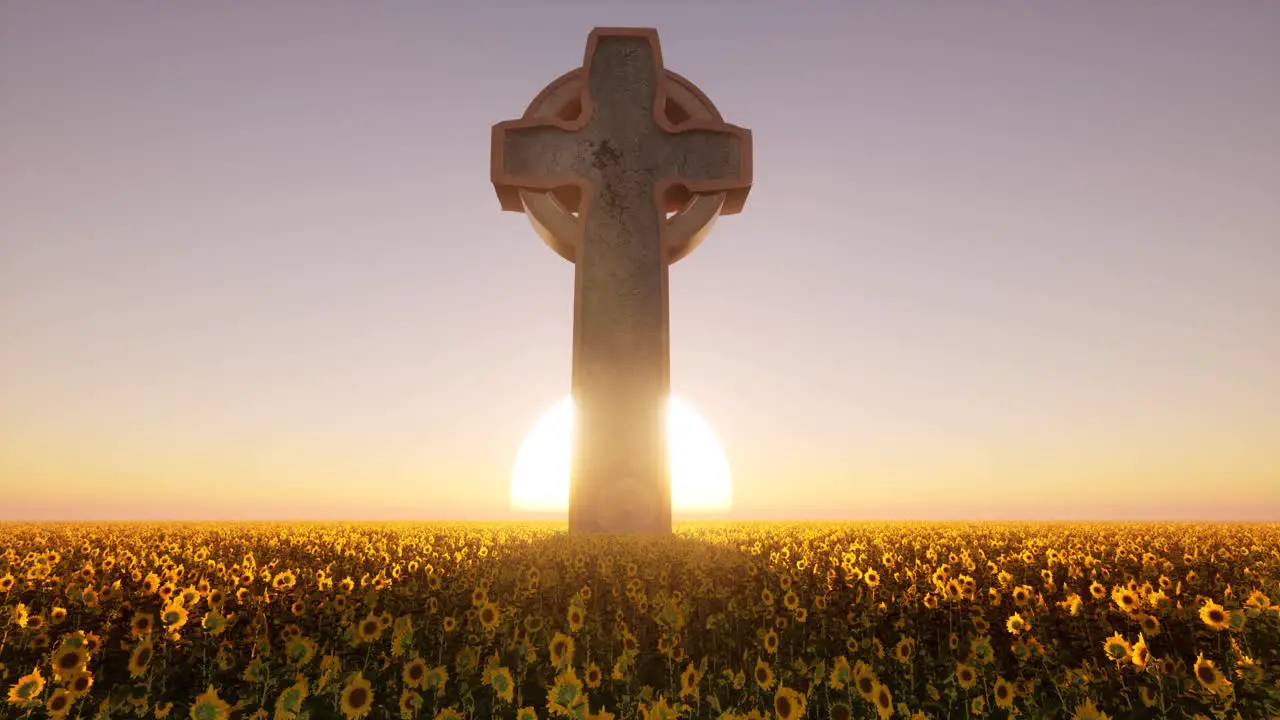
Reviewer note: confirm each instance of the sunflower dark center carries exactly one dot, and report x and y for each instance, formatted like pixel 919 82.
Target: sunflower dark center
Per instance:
pixel 358 697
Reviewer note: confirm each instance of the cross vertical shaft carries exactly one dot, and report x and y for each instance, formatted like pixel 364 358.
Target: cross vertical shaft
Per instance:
pixel 623 155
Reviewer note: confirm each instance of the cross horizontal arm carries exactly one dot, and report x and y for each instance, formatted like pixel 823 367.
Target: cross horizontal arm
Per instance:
pixel 538 157
pixel 709 159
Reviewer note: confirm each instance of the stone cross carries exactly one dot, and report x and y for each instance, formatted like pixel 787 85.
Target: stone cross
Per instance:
pixel 622 166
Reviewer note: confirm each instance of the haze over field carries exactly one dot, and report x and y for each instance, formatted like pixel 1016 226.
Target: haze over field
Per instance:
pixel 1000 261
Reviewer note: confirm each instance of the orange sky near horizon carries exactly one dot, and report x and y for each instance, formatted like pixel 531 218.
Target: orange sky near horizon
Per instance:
pixel 1008 263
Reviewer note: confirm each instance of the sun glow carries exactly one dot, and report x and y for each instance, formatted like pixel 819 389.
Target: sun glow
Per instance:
pixel 699 469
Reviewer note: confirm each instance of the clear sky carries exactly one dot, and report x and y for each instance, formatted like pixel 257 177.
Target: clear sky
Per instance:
pixel 1001 259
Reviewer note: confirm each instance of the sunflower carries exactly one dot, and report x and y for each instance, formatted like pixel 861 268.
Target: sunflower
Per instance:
pixel 966 676
pixel 436 680
pixel 6 582
pixel 840 710
pixel 27 689
pixel 1125 599
pixel 357 697
pixel 1247 670
pixel 689 681
pixel 1141 654
pixel 1117 647
pixel 142 624
pixel 1016 624
pixel 1208 675
pixel 841 675
pixel 414 673
pixel 488 616
pixel 70 658
pixel 865 681
pixel 140 658
pixel 788 704
pixel 763 674
pixel 289 703
pixel 1088 711
pixel 369 628
pixel 657 710
pixel 526 713
pixel 593 676
pixel 1003 692
pixel 80 683
pixel 410 701
pixel 771 642
pixel 174 616
pixel 561 648
pixel 565 694
pixel 208 706
pixel 871 578
pixel 1147 696
pixel 1214 615
pixel 504 685
pixel 576 618
pixel 59 703
pixel 883 700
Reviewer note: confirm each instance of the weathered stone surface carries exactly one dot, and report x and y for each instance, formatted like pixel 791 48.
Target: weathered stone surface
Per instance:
pixel 623 155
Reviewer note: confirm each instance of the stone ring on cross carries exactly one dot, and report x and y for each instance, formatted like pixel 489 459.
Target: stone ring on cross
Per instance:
pixel 554 213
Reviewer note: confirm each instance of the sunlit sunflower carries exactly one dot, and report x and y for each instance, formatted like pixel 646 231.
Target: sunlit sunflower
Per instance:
pixel 28 688
pixel 864 681
pixel 1125 599
pixel 1117 647
pixel 1208 676
pixel 1213 615
pixel 883 700
pixel 763 675
pixel 1016 624
pixel 59 703
pixel 1140 654
pixel 788 704
pixel 357 697
pixel 139 658
pixel 80 683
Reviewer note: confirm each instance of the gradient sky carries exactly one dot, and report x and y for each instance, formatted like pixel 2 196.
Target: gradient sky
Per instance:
pixel 1002 259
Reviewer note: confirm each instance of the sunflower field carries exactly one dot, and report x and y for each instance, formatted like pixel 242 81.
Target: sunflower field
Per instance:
pixel 450 621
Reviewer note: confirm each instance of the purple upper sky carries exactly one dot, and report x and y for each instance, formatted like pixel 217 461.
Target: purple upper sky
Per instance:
pixel 1000 259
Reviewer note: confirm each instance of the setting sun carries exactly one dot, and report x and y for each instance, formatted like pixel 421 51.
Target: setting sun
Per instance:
pixel 699 469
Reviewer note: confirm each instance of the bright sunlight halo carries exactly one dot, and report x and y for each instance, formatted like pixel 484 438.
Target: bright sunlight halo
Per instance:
pixel 699 469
